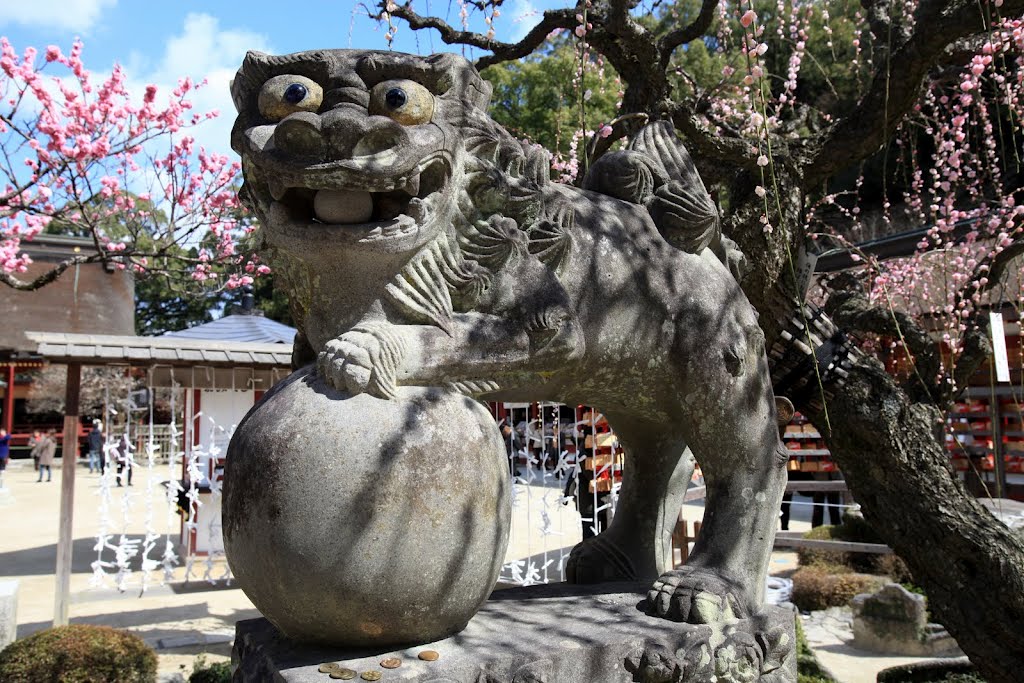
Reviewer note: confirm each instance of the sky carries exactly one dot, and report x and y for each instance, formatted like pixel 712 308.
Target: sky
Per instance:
pixel 160 41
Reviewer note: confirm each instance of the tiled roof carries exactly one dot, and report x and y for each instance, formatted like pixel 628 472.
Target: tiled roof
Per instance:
pixel 246 328
pixel 98 349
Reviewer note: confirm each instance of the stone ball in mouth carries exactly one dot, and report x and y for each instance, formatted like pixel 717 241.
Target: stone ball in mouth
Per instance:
pixel 343 206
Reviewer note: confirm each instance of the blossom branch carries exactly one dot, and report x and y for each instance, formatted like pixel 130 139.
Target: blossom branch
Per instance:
pixel 49 276
pixel 895 86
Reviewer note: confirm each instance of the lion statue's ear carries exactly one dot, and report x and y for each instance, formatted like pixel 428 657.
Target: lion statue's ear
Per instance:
pixel 460 74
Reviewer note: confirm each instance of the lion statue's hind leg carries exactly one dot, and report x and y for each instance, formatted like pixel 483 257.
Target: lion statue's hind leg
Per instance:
pixel 730 424
pixel 637 545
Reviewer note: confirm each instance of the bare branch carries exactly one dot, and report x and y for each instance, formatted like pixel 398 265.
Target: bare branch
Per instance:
pixel 714 148
pixel 697 28
pixel 998 263
pixel 501 51
pixel 975 350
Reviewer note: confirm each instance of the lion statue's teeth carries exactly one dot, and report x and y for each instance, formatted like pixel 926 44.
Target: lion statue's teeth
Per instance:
pixel 343 206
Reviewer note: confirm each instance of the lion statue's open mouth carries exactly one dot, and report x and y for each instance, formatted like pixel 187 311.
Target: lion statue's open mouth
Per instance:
pixel 361 209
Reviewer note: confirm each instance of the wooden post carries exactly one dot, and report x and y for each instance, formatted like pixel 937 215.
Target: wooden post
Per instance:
pixel 9 399
pixel 995 411
pixel 69 462
pixel 680 536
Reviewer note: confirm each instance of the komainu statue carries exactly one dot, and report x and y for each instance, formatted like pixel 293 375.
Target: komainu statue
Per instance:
pixel 424 246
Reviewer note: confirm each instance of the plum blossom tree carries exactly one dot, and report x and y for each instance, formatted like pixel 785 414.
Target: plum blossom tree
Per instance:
pixel 827 121
pixel 82 155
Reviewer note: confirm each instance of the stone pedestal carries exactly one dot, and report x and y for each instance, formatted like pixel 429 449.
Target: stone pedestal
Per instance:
pixel 555 633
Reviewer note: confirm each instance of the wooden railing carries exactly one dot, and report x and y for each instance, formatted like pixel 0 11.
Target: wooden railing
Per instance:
pixel 682 536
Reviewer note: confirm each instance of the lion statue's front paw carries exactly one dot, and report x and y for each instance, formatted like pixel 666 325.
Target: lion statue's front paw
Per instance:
pixel 366 359
pixel 697 596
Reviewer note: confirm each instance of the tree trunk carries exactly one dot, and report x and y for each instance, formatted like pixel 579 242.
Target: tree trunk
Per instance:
pixel 892 455
pixel 970 564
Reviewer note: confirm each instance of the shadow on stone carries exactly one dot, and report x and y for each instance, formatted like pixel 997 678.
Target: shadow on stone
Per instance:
pixel 554 632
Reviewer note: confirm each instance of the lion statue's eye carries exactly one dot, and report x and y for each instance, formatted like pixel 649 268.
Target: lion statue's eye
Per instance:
pixel 407 102
pixel 287 94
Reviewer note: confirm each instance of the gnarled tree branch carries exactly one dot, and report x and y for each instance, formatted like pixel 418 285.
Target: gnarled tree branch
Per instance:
pixel 501 51
pixel 680 36
pixel 851 310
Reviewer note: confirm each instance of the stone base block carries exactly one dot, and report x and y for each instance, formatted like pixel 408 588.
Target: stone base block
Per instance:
pixel 556 633
pixel 8 612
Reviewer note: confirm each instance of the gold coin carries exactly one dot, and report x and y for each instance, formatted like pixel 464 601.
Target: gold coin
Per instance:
pixel 371 675
pixel 391 663
pixel 328 667
pixel 343 674
pixel 428 655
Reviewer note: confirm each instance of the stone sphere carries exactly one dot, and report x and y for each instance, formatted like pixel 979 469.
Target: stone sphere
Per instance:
pixel 358 521
pixel 343 206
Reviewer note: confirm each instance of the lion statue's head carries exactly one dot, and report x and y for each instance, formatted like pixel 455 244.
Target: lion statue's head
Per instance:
pixel 362 164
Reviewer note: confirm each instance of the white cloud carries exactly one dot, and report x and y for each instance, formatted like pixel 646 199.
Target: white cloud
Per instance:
pixel 67 15
pixel 201 51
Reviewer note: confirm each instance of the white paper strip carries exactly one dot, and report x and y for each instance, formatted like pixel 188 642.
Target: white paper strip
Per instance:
pixel 999 346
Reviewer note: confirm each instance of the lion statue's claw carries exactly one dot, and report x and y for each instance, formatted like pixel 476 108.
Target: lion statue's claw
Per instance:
pixel 696 596
pixel 363 360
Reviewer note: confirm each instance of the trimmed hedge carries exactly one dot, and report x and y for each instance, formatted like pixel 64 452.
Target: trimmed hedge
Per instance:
pixel 853 531
pixel 822 586
pixel 78 653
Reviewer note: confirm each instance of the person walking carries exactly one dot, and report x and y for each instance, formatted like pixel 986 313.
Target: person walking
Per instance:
pixel 512 446
pixel 47 447
pixel 5 452
pixel 124 459
pixel 96 448
pixel 34 442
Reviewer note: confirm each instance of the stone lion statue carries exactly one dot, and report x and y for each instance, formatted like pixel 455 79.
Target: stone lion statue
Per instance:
pixel 423 245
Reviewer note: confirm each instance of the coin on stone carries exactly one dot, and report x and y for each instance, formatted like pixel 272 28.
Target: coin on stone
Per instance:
pixel 371 675
pixel 428 655
pixel 343 674
pixel 328 667
pixel 391 663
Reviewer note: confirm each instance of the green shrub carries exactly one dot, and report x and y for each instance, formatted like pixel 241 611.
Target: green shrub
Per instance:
pixel 857 530
pixel 852 530
pixel 218 672
pixel 822 586
pixel 79 653
pixel 816 556
pixel 893 567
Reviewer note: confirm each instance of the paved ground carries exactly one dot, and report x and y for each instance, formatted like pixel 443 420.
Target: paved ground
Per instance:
pixel 183 619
